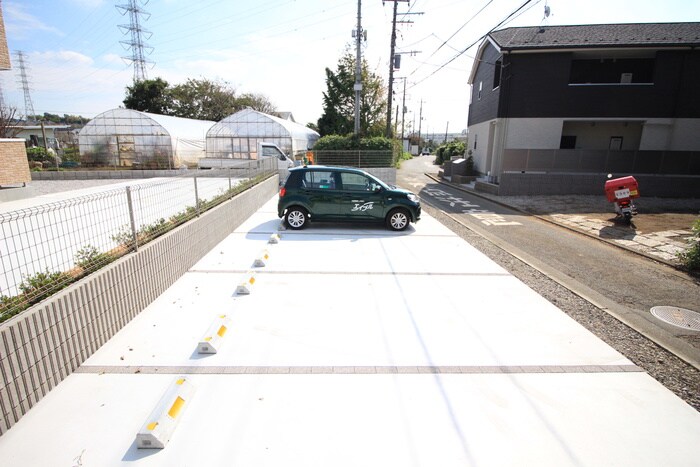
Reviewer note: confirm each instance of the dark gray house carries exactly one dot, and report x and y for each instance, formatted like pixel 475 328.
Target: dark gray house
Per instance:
pixel 554 107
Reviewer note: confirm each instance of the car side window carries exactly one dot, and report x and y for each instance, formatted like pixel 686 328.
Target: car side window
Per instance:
pixel 320 180
pixel 355 182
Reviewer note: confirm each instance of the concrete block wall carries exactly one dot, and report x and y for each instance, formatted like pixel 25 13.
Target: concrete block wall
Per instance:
pixel 40 347
pixel 14 167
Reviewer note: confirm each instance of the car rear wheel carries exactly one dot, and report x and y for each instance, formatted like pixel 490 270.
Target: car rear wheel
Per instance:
pixel 398 219
pixel 296 218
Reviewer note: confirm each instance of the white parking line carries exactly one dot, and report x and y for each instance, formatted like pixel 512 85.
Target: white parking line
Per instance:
pixel 485 216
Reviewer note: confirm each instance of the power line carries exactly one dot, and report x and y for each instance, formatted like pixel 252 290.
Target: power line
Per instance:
pixel 474 43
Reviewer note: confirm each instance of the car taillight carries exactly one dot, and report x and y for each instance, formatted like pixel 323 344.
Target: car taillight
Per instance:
pixel 283 191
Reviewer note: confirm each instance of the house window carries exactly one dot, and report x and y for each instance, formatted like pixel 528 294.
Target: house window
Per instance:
pixel 615 143
pixel 481 87
pixel 497 74
pixel 567 142
pixel 612 71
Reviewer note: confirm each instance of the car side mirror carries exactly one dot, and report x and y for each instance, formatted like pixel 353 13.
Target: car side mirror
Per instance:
pixel 376 188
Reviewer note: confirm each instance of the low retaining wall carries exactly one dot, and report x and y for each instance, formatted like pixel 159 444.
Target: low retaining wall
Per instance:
pixel 528 183
pixel 387 174
pixel 106 174
pixel 43 345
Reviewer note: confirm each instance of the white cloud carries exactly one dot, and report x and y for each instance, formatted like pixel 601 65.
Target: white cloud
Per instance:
pixel 20 24
pixel 113 59
pixel 61 57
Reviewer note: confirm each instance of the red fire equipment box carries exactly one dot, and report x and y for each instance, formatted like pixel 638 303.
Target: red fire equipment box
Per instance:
pixel 621 188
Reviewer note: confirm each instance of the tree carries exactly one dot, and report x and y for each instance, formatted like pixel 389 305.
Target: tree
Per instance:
pixel 204 99
pixel 150 95
pixel 339 100
pixel 201 99
pixel 257 102
pixel 9 121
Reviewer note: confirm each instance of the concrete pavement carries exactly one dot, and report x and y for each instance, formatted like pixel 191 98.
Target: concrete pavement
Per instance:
pixel 358 346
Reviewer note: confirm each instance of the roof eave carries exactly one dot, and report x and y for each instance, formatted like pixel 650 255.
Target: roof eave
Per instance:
pixel 479 53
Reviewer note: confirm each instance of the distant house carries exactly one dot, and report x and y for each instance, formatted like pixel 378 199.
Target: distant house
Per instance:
pixel 592 99
pixel 34 135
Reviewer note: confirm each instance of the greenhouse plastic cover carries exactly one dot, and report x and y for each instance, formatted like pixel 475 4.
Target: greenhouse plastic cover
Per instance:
pixel 187 136
pixel 249 123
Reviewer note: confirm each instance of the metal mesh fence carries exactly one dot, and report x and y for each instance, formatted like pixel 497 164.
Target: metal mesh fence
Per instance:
pixel 45 248
pixel 356 158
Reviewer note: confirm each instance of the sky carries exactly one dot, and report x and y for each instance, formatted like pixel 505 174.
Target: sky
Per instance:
pixel 280 48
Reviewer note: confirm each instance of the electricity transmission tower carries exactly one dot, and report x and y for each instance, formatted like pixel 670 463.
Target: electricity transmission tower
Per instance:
pixel 136 44
pixel 24 82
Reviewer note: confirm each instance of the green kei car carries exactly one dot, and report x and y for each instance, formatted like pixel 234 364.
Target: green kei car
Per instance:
pixel 343 194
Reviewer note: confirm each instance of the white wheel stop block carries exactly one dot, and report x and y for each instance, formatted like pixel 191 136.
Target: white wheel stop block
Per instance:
pixel 213 339
pixel 245 286
pixel 274 239
pixel 261 260
pixel 160 425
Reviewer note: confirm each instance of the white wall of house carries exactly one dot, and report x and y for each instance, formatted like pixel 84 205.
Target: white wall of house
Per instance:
pixel 671 134
pixel 596 135
pixel 533 133
pixel 478 144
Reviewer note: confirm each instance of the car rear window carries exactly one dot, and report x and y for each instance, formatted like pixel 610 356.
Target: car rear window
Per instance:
pixel 321 180
pixel 293 180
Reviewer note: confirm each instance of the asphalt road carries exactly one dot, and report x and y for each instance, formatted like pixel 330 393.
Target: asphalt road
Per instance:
pixel 623 283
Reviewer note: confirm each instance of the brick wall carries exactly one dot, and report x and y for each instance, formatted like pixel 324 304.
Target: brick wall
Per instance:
pixel 43 345
pixel 4 53
pixel 14 167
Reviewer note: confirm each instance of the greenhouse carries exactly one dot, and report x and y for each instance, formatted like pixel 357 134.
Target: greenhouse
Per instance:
pixel 237 136
pixel 129 138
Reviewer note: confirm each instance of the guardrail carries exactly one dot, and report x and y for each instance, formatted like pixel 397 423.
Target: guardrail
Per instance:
pixel 43 249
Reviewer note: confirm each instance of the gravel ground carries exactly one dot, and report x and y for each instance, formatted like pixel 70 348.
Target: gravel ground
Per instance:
pixel 675 374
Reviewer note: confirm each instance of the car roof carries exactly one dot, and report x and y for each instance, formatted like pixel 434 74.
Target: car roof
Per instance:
pixel 327 167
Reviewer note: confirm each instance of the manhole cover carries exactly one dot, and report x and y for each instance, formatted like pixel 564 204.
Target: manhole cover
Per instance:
pixel 680 317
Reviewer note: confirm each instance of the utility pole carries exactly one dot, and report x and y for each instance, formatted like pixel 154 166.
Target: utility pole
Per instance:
pixel 446 127
pixel 403 109
pixel 358 67
pixel 396 119
pixel 420 119
pixel 391 68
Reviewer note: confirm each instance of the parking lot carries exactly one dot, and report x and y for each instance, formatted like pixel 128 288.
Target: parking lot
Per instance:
pixel 358 346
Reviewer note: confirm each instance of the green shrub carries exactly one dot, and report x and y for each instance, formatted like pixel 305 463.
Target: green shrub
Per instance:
pixel 11 306
pixel 37 154
pixel 38 286
pixel 691 257
pixel 71 154
pixel 89 258
pixel 446 151
pixel 347 143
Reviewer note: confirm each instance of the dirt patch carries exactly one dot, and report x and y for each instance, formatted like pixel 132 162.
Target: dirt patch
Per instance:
pixel 654 214
pixel 646 223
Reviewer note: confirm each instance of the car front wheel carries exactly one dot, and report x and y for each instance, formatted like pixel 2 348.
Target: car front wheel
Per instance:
pixel 398 219
pixel 296 218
